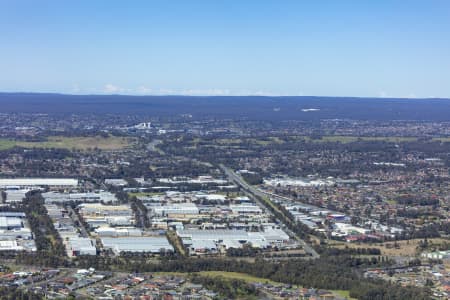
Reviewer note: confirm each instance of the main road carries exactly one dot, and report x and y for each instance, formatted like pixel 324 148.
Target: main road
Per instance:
pixel 232 176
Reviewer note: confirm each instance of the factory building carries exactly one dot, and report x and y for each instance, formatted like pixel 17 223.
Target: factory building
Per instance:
pixel 106 231
pixel 20 183
pixel 176 209
pixel 14 196
pixel 243 209
pixel 100 196
pixel 137 244
pixel 10 223
pixel 10 245
pixel 81 246
pixel 116 182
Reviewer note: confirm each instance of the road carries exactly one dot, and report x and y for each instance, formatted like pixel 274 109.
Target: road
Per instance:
pixel 75 218
pixel 232 176
pixel 140 215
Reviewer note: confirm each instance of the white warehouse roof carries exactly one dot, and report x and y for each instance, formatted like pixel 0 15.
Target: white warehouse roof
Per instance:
pixel 137 244
pixel 5 182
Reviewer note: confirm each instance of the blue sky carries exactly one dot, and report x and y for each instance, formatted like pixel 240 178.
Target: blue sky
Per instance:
pixel 382 48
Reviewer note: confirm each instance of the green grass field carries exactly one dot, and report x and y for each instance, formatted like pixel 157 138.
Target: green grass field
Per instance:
pixel 344 294
pixel 77 143
pixel 234 142
pixel 6 144
pixel 442 139
pixel 144 194
pixel 349 139
pixel 235 275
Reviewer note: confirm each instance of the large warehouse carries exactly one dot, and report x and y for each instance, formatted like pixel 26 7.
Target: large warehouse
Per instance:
pixel 99 196
pixel 20 183
pixel 81 246
pixel 176 209
pixel 137 244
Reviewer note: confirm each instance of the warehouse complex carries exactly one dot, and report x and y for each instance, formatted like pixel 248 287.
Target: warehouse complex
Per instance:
pixel 15 233
pixel 211 241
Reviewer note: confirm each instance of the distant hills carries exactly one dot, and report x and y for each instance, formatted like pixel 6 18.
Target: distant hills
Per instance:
pixel 251 107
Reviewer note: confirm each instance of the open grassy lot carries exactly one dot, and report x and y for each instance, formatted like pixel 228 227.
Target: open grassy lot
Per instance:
pixel 78 143
pixel 228 275
pixel 405 248
pixel 349 139
pixel 144 194
pixel 344 294
pixel 323 139
pixel 6 144
pixel 441 139
pixel 235 275
pixel 259 141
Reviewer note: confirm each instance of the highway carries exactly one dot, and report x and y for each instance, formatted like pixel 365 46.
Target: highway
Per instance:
pixel 232 176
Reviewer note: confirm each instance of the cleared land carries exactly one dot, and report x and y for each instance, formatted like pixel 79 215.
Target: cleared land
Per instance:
pixel 78 143
pixel 239 276
pixel 404 248
pixel 349 139
pixel 143 194
pixel 225 143
pixel 326 138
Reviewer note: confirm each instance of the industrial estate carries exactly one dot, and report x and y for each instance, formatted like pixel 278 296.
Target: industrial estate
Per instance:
pixel 200 207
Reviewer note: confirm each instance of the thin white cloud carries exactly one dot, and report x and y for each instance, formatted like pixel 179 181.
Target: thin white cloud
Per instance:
pixel 143 90
pixel 112 89
pixel 382 94
pixel 76 88
pixel 206 92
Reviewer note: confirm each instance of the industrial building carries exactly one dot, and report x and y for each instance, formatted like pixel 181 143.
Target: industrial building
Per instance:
pixel 345 229
pixel 175 209
pixel 437 255
pixel 10 223
pixel 106 231
pixel 137 244
pixel 10 245
pixel 116 182
pixel 20 183
pixel 14 196
pixel 81 246
pixel 99 209
pixel 99 196
pixel 245 209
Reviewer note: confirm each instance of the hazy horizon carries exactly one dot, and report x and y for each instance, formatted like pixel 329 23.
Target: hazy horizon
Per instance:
pixel 213 96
